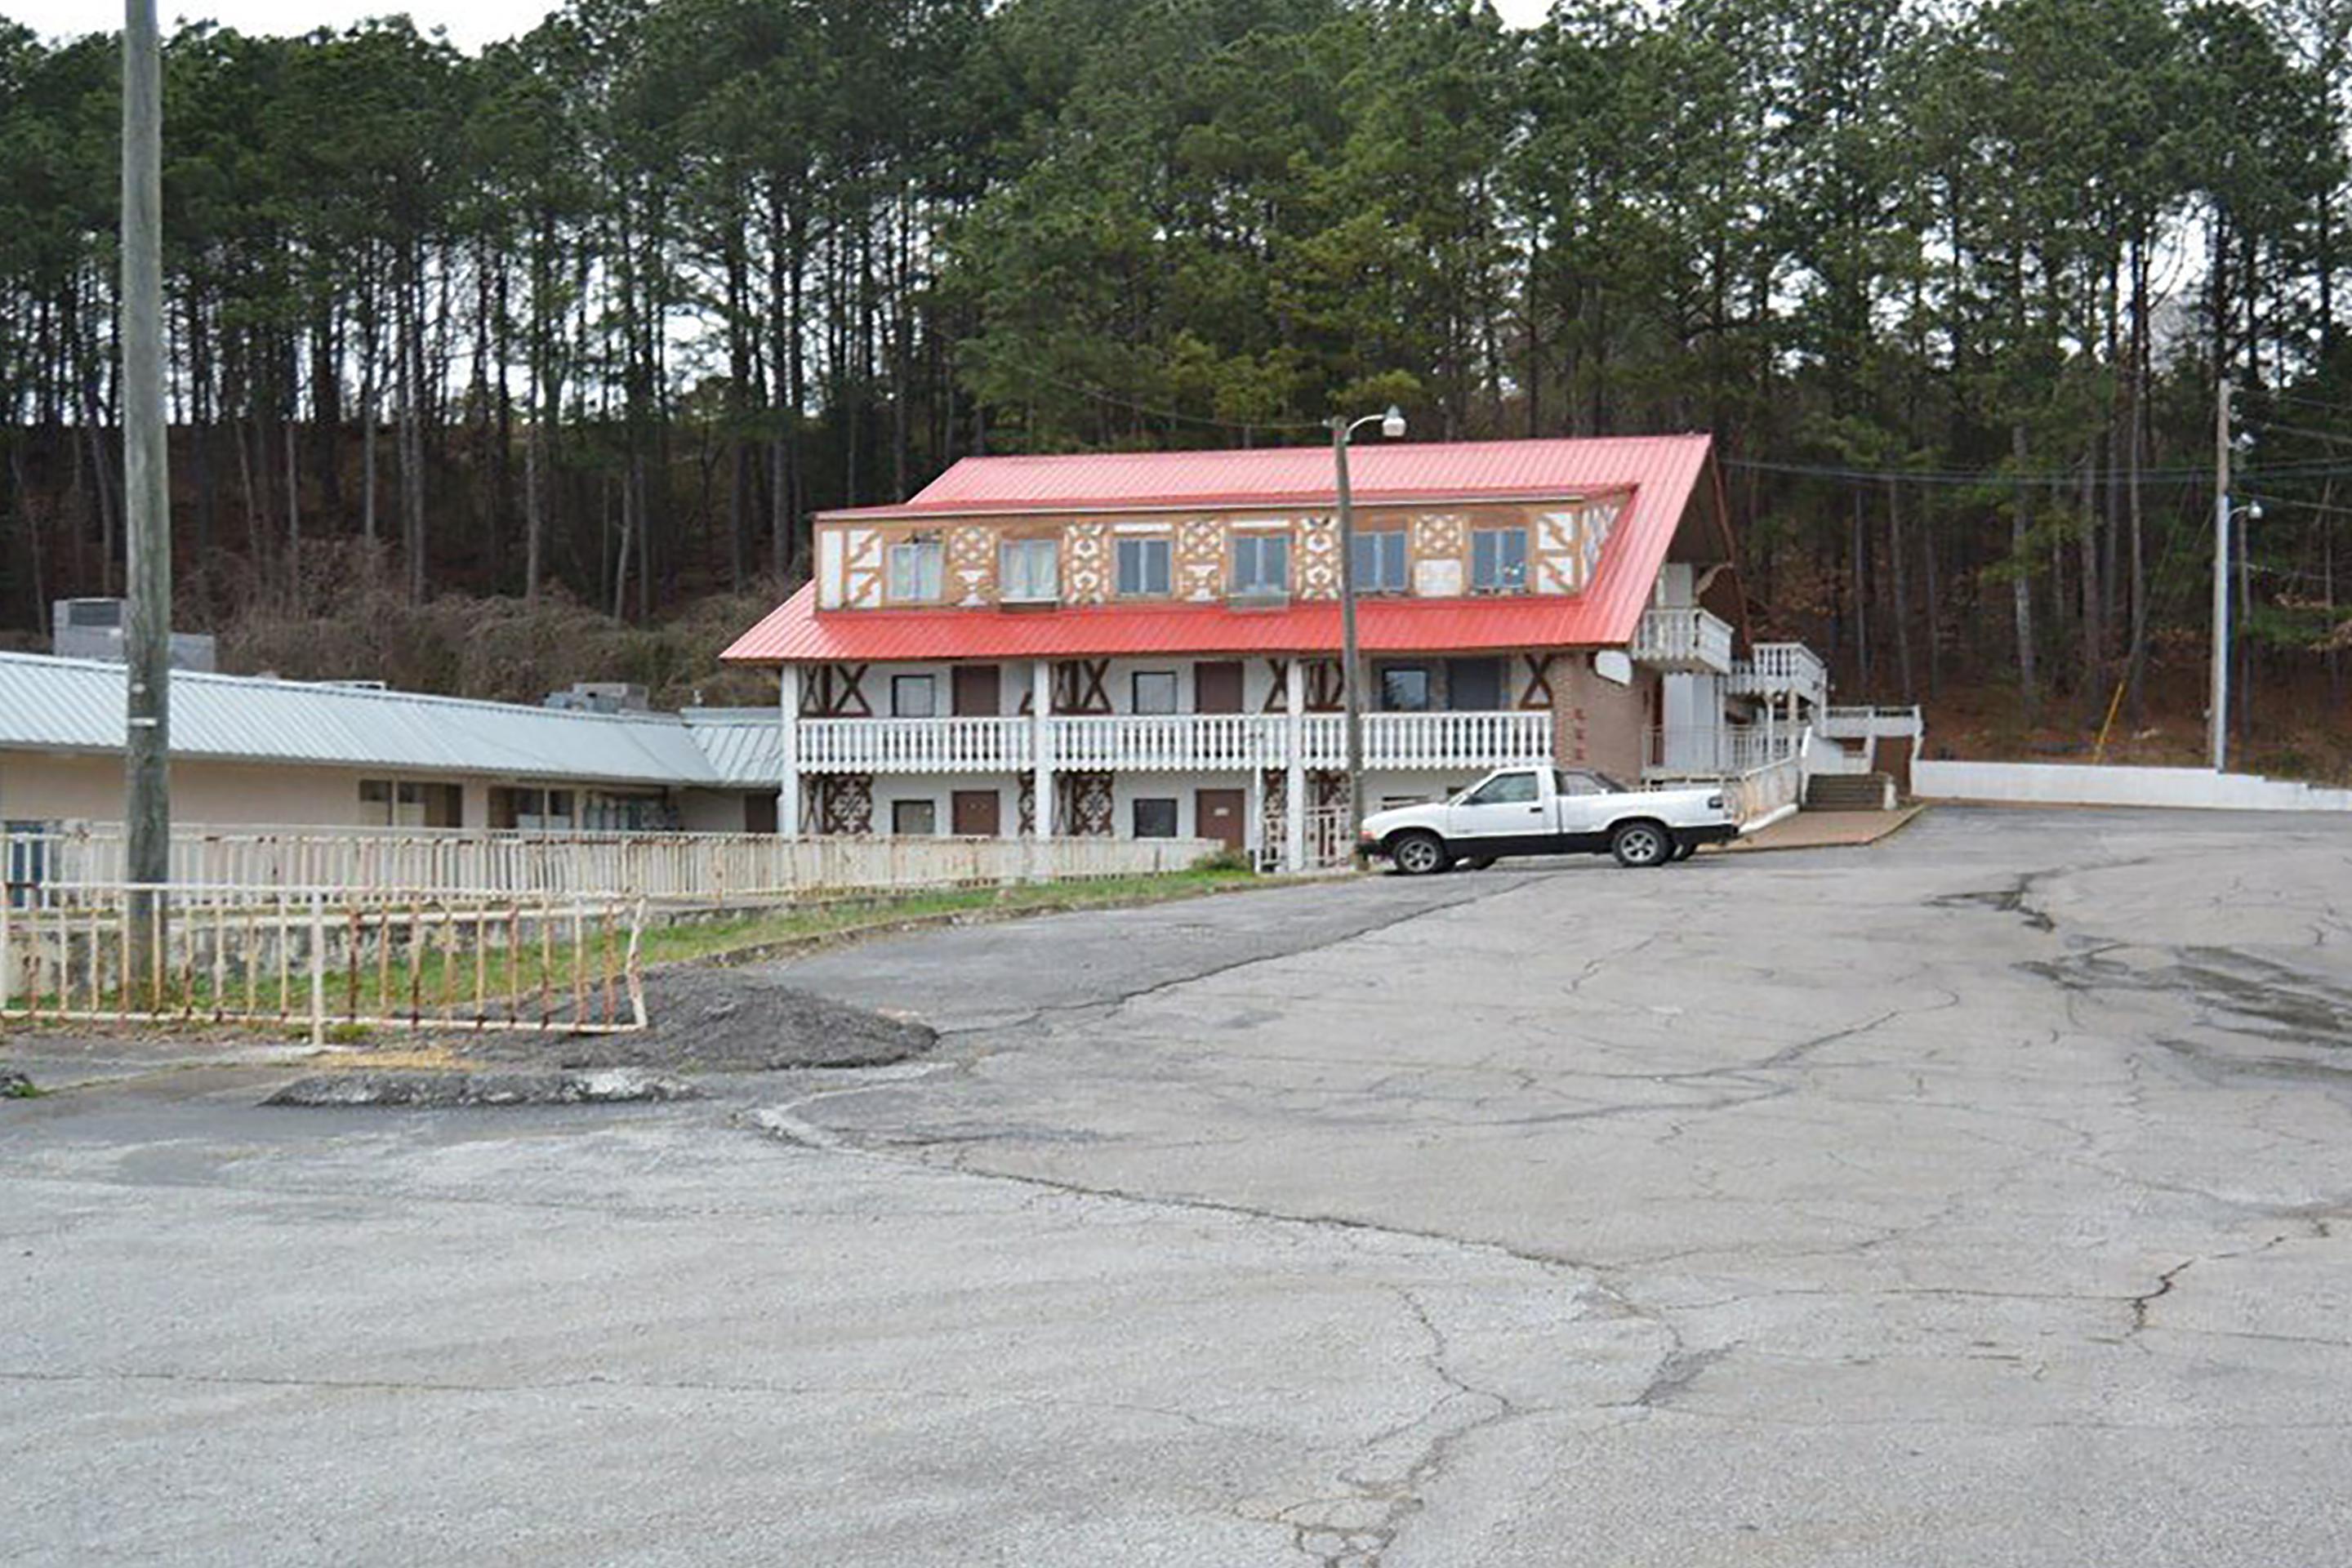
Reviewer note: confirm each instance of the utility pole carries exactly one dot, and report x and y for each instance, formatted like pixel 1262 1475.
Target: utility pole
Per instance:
pixel 2217 718
pixel 1351 696
pixel 146 490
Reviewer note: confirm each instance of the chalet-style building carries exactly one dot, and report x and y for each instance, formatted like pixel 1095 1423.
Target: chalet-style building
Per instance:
pixel 1146 643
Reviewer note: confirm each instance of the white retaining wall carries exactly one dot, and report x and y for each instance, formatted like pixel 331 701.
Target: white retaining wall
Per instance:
pixel 2078 783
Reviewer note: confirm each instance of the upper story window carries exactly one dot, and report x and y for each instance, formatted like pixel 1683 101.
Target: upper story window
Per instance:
pixel 1380 562
pixel 918 568
pixel 1499 560
pixel 1154 692
pixel 1029 571
pixel 914 697
pixel 1261 563
pixel 1144 566
pixel 1405 687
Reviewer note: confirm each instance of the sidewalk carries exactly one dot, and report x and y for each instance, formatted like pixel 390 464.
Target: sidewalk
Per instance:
pixel 1825 829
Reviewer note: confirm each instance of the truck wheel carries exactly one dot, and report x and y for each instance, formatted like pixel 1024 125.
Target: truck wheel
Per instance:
pixel 1641 844
pixel 1420 854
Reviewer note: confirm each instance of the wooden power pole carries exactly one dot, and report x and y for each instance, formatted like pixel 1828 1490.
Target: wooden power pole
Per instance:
pixel 2218 714
pixel 146 489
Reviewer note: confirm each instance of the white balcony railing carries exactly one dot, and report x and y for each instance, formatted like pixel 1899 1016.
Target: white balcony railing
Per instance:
pixel 914 745
pixel 1777 668
pixel 1172 742
pixel 1715 750
pixel 1432 740
pixel 1687 639
pixel 1167 742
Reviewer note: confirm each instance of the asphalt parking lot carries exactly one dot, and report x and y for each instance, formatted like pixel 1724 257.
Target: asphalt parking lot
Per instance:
pixel 1981 1197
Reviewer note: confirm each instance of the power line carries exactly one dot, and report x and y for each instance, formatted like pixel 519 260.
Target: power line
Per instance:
pixel 2315 469
pixel 2306 402
pixel 2306 505
pixel 2339 435
pixel 1114 400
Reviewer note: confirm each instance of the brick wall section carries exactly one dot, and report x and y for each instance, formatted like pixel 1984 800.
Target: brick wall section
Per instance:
pixel 1598 723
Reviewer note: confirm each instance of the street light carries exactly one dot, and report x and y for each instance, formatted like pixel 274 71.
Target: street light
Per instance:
pixel 2218 724
pixel 1351 698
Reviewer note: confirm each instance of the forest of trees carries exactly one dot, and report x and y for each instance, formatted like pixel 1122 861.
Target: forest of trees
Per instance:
pixel 600 315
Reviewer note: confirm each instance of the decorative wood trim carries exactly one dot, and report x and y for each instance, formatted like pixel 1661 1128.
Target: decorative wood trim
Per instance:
pixel 1079 686
pixel 1535 695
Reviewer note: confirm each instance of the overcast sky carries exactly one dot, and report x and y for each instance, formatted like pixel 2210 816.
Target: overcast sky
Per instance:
pixel 470 23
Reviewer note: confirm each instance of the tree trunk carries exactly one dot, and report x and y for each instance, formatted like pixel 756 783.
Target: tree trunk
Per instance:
pixel 1901 586
pixel 2021 585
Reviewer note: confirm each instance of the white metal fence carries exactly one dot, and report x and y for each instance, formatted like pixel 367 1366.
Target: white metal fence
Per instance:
pixel 685 867
pixel 319 958
pixel 1706 751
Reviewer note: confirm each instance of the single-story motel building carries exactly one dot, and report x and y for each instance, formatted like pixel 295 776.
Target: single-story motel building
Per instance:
pixel 252 752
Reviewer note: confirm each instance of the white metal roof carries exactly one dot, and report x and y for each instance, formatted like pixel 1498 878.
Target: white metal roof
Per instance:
pixel 77 705
pixel 743 745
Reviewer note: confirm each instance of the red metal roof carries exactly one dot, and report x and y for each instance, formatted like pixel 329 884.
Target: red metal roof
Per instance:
pixel 1378 472
pixel 1661 471
pixel 797 633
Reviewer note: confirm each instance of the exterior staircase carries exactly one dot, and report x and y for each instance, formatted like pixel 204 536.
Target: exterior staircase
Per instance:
pixel 1850 792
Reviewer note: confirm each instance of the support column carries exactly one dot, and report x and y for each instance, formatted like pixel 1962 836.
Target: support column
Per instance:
pixel 788 729
pixel 1041 742
pixel 1294 702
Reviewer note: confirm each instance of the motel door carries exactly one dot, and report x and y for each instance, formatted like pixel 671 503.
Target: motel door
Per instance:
pixel 977 694
pixel 1218 814
pixel 974 814
pixel 1217 688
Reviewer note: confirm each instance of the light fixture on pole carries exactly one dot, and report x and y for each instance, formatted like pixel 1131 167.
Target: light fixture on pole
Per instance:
pixel 1351 698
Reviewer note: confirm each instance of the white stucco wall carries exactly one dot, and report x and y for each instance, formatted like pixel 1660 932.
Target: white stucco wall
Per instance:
pixel 2075 784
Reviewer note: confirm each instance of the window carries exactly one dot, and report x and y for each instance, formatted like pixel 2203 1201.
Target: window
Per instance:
pixel 914 697
pixel 1143 566
pixel 1581 784
pixel 1499 560
pixel 407 803
pixel 916 569
pixel 606 813
pixel 1474 685
pixel 1155 819
pixel 1261 563
pixel 531 810
pixel 1155 691
pixel 1405 688
pixel 1030 572
pixel 1504 789
pixel 914 819
pixel 1380 562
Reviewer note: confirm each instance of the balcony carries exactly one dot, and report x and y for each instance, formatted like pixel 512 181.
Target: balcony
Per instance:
pixel 1687 641
pixel 914 745
pixel 1172 742
pixel 1779 668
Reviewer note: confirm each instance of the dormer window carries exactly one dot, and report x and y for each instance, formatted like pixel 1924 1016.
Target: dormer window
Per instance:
pixel 1498 561
pixel 1261 565
pixel 917 569
pixel 1029 571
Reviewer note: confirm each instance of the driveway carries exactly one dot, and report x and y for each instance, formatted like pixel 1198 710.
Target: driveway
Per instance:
pixel 1973 1198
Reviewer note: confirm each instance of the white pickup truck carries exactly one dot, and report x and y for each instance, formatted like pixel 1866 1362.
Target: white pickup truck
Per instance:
pixel 1548 811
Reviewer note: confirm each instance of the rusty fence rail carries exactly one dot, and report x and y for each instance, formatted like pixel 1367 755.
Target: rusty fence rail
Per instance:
pixel 321 959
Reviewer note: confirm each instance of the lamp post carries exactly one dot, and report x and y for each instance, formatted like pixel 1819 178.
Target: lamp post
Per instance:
pixel 2223 543
pixel 1352 697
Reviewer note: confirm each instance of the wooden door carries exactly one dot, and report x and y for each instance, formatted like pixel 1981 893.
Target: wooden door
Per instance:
pixel 977 693
pixel 1221 815
pixel 976 814
pixel 1217 688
